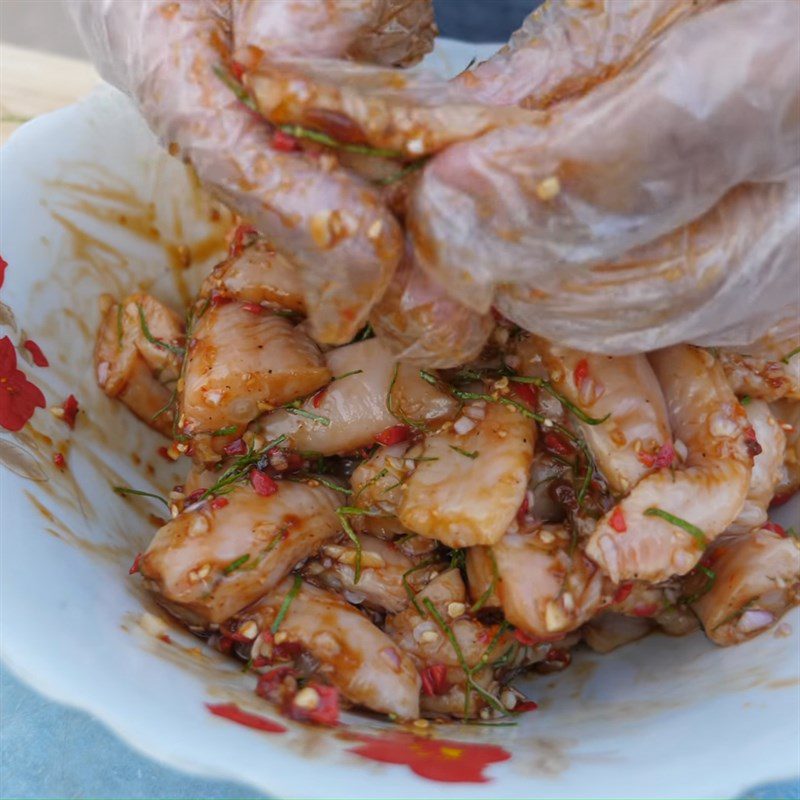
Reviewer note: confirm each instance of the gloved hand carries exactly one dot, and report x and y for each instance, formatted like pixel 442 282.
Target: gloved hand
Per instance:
pixel 167 57
pixel 643 192
pixel 659 207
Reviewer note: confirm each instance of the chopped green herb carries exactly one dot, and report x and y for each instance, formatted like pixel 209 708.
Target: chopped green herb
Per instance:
pixel 226 431
pixel 473 454
pixel 548 387
pixel 347 374
pixel 412 423
pixel 373 480
pixel 484 598
pixel 166 407
pixel 241 93
pixel 295 408
pixel 692 530
pixel 469 672
pixel 790 355
pixel 412 596
pixel 239 469
pixel 407 170
pixel 285 312
pixel 234 565
pixel 429 377
pixel 711 577
pixel 458 558
pixel 331 484
pixel 365 333
pixel 119 324
pixel 287 601
pixel 745 400
pixel 343 512
pixel 172 348
pixel 793 533
pixel 301 132
pixel 126 490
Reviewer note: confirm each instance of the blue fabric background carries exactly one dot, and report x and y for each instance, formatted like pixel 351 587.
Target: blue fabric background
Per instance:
pixel 47 750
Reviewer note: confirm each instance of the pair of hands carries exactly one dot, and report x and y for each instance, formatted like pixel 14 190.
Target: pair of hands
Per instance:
pixel 621 176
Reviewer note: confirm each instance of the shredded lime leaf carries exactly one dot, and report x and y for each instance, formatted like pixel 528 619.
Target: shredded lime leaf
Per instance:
pixel 695 532
pixel 287 601
pixel 126 490
pixel 234 565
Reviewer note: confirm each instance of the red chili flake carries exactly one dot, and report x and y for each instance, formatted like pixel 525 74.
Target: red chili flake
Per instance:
pixel 617 520
pixel 646 610
pixel 236 448
pixel 751 442
pixel 235 714
pixel 558 655
pixel 443 760
pixel 555 443
pixel 219 299
pixel 526 705
pixel 253 308
pixel 523 510
pixel 19 398
pixel 195 496
pixel 38 356
pixel 664 457
pixel 165 638
pixel 776 528
pixel 287 651
pixel 326 712
pixel 219 502
pixel 623 592
pixel 317 399
pixel 164 453
pixel 135 566
pixel 525 392
pixel 284 143
pixel 524 639
pixel 294 462
pixel 581 372
pixel 3 265
pixel 270 684
pixel 434 680
pixel 59 460
pixel 262 483
pixel 71 407
pixel 237 69
pixel 225 645
pixel 241 238
pixel 233 634
pixel 393 435
pixel 781 499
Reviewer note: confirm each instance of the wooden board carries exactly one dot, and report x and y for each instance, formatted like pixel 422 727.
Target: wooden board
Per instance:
pixel 33 83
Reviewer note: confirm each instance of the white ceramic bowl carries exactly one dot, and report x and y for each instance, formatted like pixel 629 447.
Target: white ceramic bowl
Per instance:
pixel 90 204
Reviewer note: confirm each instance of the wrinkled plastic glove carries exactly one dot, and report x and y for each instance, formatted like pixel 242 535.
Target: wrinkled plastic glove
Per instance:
pixel 648 195
pixel 660 206
pixel 167 57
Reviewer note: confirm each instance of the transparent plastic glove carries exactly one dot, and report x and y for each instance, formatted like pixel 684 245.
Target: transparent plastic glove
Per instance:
pixel 164 55
pixel 422 325
pixel 566 48
pixel 714 103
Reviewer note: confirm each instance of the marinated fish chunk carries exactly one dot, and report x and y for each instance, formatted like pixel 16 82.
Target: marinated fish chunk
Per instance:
pixel 241 361
pixel 209 562
pixel 471 491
